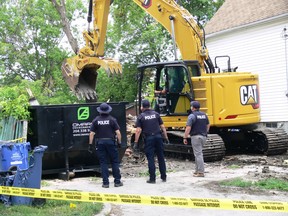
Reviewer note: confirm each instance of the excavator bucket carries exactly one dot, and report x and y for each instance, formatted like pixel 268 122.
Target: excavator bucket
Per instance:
pixel 81 74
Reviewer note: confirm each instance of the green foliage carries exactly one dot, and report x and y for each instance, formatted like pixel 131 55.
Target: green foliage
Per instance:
pixel 54 207
pixel 269 183
pixel 117 87
pixel 30 36
pixel 31 55
pixel 202 10
pixel 153 42
pixel 14 99
pixel 30 33
pixel 273 183
pixel 234 166
pixel 14 102
pixel 237 182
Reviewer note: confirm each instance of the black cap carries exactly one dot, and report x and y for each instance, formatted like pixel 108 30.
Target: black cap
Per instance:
pixel 145 104
pixel 195 104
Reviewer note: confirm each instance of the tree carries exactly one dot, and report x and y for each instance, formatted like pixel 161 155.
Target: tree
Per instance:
pixel 14 102
pixel 24 36
pixel 30 37
pixel 153 43
pixel 202 10
pixel 30 44
pixel 66 16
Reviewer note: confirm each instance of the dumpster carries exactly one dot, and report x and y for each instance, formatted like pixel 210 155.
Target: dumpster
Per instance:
pixel 13 155
pixel 64 129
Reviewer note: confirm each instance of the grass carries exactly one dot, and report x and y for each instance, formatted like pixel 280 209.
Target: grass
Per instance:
pixel 45 184
pixel 268 184
pixel 234 166
pixel 53 207
pixel 146 173
pixel 95 179
pixel 273 183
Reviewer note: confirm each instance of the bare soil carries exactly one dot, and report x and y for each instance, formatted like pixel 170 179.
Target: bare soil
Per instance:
pixel 181 183
pixel 253 168
pixel 247 167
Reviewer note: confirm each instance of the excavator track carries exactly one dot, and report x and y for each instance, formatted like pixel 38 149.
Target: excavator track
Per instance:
pixel 214 149
pixel 267 141
pixel 271 141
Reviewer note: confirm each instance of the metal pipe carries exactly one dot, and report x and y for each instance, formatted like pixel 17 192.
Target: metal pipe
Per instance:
pixel 173 36
pixel 285 37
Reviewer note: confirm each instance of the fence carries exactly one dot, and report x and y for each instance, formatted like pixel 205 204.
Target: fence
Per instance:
pixel 12 129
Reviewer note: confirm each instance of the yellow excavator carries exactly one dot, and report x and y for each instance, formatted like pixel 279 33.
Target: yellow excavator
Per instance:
pixel 230 98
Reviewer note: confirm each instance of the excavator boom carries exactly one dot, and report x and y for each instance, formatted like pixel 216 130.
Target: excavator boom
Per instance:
pixel 80 71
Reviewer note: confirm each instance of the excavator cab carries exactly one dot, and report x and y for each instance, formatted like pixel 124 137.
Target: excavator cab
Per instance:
pixel 172 90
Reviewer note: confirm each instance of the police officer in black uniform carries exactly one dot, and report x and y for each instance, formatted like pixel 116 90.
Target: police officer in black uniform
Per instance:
pixel 197 126
pixel 150 124
pixel 104 127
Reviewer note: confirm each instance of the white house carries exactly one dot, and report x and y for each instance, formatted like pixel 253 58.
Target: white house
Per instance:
pixel 253 33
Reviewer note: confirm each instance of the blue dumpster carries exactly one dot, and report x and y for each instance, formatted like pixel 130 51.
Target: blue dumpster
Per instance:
pixel 14 155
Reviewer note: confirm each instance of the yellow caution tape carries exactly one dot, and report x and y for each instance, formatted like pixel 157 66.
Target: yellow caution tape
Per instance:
pixel 208 203
pixel 21 139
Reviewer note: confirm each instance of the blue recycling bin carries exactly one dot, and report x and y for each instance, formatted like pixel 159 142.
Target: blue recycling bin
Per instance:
pixel 14 156
pixel 29 178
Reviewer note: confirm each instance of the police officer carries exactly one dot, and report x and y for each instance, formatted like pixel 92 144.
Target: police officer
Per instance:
pixel 149 123
pixel 104 128
pixel 197 126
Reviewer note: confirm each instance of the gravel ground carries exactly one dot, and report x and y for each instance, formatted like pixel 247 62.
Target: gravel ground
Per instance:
pixel 181 183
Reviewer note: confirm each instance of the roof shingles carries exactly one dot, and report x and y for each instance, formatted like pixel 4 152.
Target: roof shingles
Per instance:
pixel 234 13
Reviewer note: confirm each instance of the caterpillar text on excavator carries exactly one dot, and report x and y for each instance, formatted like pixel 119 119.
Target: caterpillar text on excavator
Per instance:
pixel 230 98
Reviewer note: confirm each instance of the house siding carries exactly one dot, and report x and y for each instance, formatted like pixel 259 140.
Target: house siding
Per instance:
pixel 258 49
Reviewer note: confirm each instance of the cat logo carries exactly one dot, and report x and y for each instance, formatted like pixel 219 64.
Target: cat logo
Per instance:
pixel 147 3
pixel 249 95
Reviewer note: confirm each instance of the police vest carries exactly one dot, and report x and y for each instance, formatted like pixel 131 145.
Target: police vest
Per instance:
pixel 199 127
pixel 104 126
pixel 150 122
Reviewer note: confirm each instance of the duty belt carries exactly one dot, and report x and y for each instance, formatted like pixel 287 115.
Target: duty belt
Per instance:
pixel 198 135
pixel 151 134
pixel 104 138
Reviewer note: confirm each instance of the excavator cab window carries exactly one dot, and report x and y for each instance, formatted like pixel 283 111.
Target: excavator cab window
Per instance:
pixel 168 87
pixel 177 79
pixel 179 89
pixel 194 70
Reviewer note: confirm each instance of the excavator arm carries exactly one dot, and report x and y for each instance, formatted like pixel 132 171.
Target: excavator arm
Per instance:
pixel 178 22
pixel 80 71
